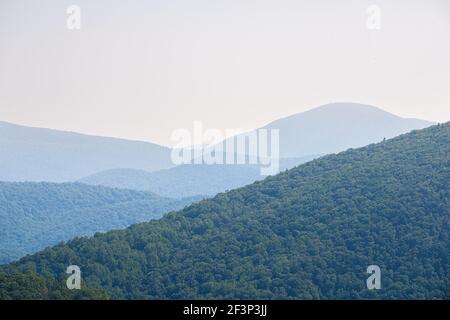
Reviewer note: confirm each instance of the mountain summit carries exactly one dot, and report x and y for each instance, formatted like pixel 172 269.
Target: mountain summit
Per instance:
pixel 336 127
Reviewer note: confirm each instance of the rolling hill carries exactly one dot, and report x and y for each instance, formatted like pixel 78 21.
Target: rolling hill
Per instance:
pixel 186 180
pixel 307 233
pixel 36 215
pixel 37 154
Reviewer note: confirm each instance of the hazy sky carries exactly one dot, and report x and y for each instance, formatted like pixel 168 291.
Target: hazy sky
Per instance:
pixel 140 69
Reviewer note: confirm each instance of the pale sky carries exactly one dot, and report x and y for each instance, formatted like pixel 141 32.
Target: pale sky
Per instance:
pixel 140 69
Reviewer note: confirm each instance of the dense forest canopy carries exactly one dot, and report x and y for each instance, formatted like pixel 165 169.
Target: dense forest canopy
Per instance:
pixel 30 286
pixel 307 233
pixel 36 215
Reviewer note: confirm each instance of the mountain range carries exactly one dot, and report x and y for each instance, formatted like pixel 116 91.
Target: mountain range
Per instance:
pixel 307 233
pixel 37 154
pixel 37 215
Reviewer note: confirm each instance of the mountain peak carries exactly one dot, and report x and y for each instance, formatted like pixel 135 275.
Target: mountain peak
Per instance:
pixel 351 106
pixel 335 127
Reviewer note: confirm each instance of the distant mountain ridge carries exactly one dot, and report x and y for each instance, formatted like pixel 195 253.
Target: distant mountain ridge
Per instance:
pixel 327 129
pixel 186 180
pixel 38 154
pixel 336 127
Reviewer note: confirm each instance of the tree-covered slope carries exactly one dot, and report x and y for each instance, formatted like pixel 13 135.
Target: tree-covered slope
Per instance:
pixel 36 215
pixel 30 286
pixel 308 233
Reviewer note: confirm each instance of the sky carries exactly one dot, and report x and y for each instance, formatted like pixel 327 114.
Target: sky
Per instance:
pixel 142 69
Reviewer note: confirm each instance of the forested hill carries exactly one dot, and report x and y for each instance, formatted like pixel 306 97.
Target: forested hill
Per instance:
pixel 36 215
pixel 307 233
